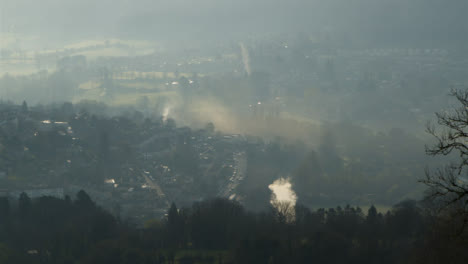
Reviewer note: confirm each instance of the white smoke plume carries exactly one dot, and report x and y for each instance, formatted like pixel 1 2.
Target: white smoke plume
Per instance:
pixel 245 58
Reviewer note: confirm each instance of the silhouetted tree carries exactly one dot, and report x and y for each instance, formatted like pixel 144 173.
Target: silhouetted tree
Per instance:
pixel 448 187
pixel 4 207
pixel 24 107
pixel 83 200
pixel 307 179
pixel 175 226
pixel 24 205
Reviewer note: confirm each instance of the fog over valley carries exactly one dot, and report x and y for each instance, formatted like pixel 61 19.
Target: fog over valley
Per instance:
pixel 226 131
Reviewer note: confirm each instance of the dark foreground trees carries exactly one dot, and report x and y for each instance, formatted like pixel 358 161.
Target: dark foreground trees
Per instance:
pixel 51 230
pixel 448 186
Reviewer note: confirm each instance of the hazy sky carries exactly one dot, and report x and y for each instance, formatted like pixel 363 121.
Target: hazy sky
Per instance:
pixel 385 20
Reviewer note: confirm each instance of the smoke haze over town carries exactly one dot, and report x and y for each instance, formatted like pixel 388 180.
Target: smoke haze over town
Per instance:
pixel 219 131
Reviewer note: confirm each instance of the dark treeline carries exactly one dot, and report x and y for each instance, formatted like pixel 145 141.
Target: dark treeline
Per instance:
pixel 53 230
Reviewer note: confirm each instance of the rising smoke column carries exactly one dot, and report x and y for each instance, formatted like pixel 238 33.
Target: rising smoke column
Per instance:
pixel 245 58
pixel 282 191
pixel 283 198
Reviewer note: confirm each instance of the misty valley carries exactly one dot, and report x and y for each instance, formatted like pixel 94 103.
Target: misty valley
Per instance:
pixel 179 132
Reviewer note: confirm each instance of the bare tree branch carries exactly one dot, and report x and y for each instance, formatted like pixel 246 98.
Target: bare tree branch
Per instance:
pixel 446 185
